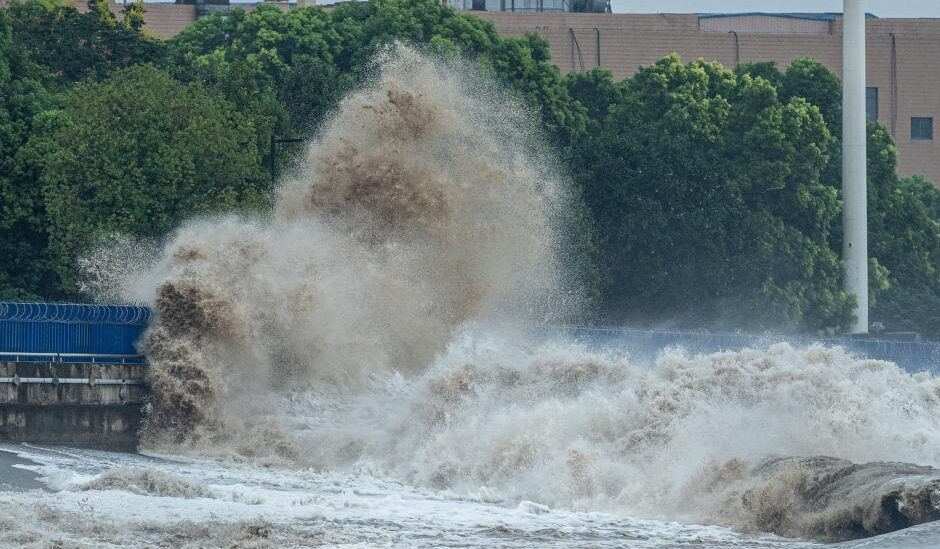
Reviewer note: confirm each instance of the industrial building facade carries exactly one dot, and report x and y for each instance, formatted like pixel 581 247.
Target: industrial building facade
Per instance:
pixel 903 54
pixel 903 57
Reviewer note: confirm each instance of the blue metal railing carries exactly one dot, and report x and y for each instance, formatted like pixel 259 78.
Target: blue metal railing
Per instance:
pixel 71 358
pixel 75 332
pixel 76 312
pixel 71 332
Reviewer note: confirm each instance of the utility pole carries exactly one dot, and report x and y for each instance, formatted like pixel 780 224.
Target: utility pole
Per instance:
pixel 275 141
pixel 854 168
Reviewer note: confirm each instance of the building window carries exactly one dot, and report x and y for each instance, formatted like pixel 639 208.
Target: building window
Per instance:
pixel 871 103
pixel 921 128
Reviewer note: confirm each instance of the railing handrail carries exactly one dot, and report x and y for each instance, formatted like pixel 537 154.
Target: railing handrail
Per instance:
pixel 126 314
pixel 71 358
pixel 69 355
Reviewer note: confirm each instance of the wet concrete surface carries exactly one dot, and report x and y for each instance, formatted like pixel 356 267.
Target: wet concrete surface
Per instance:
pixel 17 479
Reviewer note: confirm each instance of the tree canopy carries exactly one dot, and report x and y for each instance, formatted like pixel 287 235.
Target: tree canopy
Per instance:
pixel 22 219
pixel 69 46
pixel 707 192
pixel 138 154
pixel 309 58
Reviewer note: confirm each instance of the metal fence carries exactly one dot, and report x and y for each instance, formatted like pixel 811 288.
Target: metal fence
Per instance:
pixel 132 315
pixel 71 332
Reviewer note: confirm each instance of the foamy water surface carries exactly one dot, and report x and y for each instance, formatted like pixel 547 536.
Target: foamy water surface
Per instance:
pixel 250 506
pixel 543 462
pixel 357 367
pixel 245 506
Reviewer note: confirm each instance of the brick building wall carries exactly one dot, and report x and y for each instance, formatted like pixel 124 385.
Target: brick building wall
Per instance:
pixel 903 56
pixel 165 20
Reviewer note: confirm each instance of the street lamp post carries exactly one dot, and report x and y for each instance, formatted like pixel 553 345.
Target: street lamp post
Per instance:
pixel 275 141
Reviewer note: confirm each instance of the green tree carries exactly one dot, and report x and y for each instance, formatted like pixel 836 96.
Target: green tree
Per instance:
pixel 904 237
pixel 134 15
pixel 138 154
pixel 928 194
pixel 23 237
pixel 765 69
pixel 366 26
pixel 595 90
pixel 277 67
pixel 269 54
pixel 311 57
pixel 902 228
pixel 100 10
pixel 523 65
pixel 706 189
pixel 902 215
pixel 71 46
pixel 809 79
pixel 813 81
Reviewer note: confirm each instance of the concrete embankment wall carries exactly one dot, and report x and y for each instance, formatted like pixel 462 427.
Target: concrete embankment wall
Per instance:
pixel 91 405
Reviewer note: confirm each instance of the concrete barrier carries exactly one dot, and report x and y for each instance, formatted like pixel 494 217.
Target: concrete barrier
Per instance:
pixel 85 404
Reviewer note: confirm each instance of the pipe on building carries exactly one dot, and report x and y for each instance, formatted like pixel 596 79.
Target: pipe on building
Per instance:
pixel 854 168
pixel 575 50
pixel 737 48
pixel 597 44
pixel 894 86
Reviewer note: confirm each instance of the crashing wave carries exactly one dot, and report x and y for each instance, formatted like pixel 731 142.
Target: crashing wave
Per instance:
pixel 146 481
pixel 352 328
pixel 826 498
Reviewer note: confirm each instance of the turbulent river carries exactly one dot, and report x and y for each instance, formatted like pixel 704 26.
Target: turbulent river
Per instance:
pixel 502 445
pixel 362 366
pixel 99 499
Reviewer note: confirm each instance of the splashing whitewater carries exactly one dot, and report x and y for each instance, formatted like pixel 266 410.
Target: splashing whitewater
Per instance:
pixel 375 320
pixel 418 211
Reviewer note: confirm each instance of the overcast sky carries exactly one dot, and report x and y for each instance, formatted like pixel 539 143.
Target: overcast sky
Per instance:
pixel 881 8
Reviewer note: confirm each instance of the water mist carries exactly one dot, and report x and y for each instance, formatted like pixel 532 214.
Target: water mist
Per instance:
pixel 376 321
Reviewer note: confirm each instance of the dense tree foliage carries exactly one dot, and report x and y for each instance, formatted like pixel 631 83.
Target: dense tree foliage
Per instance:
pixel 135 151
pixel 309 58
pixel 903 216
pixel 711 197
pixel 23 272
pixel 717 197
pixel 137 154
pixel 70 46
pixel 707 191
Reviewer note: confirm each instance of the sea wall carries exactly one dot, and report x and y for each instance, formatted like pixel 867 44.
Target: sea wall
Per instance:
pixel 85 404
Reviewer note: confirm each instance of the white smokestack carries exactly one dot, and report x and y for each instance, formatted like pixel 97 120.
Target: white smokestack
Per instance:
pixel 854 169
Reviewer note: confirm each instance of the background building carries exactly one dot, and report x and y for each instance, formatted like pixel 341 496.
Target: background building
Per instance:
pixel 903 57
pixel 557 6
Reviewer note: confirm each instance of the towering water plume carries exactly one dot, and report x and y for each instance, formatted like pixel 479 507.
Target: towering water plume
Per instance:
pixel 422 205
pixel 352 329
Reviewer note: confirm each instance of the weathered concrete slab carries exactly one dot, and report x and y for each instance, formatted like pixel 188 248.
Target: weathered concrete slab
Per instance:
pixel 62 383
pixel 91 405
